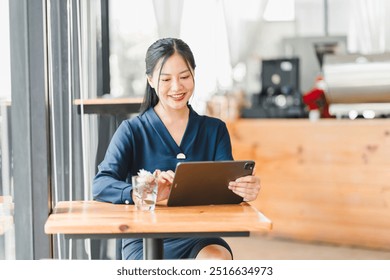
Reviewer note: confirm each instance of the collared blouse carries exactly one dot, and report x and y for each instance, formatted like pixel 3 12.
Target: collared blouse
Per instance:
pixel 143 142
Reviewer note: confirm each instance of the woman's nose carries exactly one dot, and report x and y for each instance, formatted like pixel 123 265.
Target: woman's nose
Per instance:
pixel 176 84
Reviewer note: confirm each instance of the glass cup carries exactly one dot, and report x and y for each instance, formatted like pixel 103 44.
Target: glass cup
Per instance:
pixel 144 193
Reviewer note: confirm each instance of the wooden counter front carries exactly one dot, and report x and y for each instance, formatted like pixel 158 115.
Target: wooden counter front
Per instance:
pixel 326 181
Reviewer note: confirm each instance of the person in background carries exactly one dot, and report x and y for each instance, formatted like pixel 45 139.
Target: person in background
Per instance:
pixel 167 131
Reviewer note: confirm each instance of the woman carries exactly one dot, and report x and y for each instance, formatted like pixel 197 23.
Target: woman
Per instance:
pixel 167 131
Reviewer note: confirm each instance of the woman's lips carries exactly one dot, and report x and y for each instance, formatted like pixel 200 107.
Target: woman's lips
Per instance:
pixel 178 97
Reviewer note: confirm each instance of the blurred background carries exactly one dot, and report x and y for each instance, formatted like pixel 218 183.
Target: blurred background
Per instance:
pixel 319 69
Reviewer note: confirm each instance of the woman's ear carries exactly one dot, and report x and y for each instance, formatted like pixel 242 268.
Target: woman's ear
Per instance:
pixel 150 81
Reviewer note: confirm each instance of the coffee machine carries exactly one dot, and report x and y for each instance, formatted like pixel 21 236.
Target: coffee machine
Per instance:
pixel 280 95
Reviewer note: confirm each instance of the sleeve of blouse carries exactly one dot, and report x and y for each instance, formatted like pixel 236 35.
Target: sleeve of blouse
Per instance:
pixel 109 184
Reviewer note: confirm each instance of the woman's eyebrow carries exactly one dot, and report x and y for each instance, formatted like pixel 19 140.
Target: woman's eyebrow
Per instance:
pixel 166 74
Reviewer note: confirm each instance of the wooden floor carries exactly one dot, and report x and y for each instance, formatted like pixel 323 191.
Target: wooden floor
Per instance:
pixel 263 247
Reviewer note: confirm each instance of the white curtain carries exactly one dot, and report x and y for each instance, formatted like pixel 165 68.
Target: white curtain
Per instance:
pixel 242 23
pixel 203 28
pixel 221 34
pixel 168 16
pixel 369 26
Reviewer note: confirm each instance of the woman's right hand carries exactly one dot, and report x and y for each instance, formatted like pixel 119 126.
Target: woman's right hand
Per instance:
pixel 164 182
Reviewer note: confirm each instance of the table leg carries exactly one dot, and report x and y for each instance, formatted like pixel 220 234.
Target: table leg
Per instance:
pixel 153 249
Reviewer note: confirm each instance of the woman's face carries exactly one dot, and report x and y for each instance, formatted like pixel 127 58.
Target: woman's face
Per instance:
pixel 175 84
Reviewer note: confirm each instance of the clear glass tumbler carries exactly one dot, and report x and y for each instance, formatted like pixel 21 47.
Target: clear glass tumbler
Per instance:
pixel 144 192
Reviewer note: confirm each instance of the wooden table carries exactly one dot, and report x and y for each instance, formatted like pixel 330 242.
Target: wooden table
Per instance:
pixel 109 106
pixel 92 219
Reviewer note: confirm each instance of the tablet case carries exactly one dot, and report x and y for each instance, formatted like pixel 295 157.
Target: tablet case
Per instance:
pixel 206 182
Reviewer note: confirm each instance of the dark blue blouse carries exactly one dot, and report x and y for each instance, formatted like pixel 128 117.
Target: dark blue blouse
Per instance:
pixel 143 142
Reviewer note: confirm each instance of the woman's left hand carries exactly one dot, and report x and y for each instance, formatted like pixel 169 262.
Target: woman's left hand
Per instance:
pixel 247 187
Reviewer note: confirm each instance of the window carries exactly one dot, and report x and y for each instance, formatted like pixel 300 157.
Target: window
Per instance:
pixel 7 228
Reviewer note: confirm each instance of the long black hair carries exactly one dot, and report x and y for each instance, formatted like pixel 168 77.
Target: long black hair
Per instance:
pixel 162 49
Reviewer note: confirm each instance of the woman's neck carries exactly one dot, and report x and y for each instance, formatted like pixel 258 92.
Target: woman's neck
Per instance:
pixel 168 115
pixel 174 120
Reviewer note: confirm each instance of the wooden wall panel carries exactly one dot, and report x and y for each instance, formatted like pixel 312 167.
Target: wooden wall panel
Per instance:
pixel 326 181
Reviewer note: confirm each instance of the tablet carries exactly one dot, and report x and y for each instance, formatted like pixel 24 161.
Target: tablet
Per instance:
pixel 206 182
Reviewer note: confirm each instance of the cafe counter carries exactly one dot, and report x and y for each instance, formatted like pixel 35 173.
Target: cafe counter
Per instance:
pixel 322 181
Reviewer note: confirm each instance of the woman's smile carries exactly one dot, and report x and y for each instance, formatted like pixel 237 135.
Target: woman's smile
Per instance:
pixel 178 97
